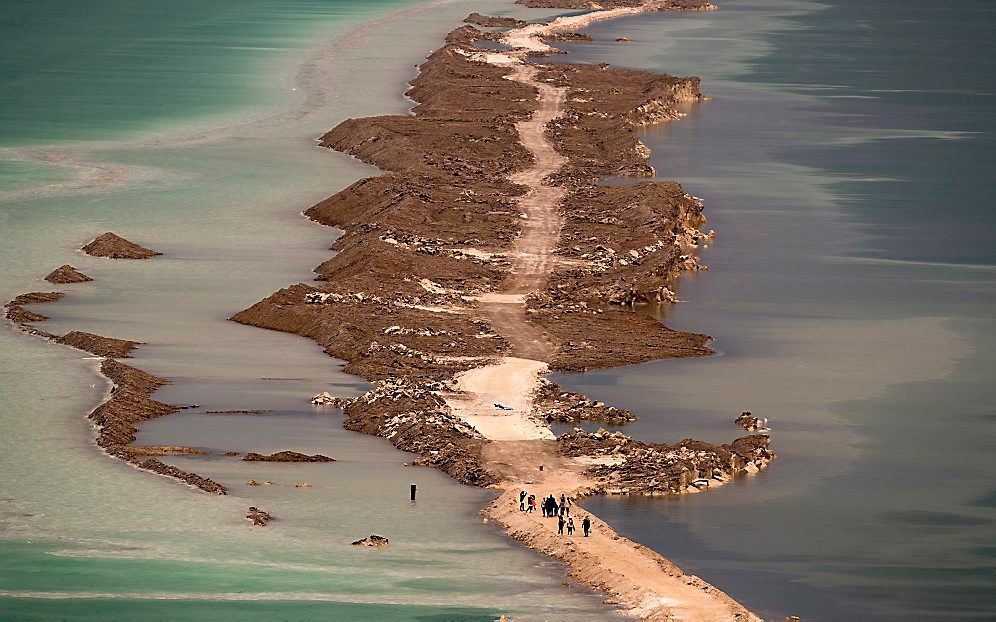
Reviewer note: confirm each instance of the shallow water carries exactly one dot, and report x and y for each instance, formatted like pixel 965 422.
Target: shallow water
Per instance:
pixel 843 161
pixel 194 135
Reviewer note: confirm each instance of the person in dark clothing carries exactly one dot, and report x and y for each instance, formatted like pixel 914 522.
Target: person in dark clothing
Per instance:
pixel 586 526
pixel 560 525
pixel 522 501
pixel 546 506
pixel 570 526
pixel 553 506
pixel 531 504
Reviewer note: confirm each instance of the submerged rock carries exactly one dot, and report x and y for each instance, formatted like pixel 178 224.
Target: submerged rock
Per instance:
pixel 67 274
pixel 116 247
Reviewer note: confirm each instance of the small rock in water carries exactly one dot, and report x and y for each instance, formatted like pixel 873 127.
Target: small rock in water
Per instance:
pixel 258 516
pixel 374 541
pixel 67 274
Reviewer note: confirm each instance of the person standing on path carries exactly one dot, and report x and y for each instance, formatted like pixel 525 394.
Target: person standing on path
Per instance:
pixel 560 526
pixel 570 526
pixel 586 525
pixel 531 507
pixel 522 501
pixel 553 506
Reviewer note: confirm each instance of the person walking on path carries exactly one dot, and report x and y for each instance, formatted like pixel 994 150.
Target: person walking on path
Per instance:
pixel 522 501
pixel 546 507
pixel 553 506
pixel 560 526
pixel 570 526
pixel 586 525
pixel 531 507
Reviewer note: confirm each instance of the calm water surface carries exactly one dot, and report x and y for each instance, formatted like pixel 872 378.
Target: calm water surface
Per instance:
pixel 845 163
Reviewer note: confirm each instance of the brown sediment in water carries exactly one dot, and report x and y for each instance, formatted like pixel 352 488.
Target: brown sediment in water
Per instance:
pixel 488 256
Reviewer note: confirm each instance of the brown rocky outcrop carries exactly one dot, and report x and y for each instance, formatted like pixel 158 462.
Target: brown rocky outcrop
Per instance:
pixel 489 21
pixel 116 247
pixel 373 541
pixel 17 313
pixel 611 103
pixel 414 418
pixel 657 468
pixel 95 344
pixel 286 456
pixel 67 274
pixel 553 402
pixel 567 36
pixel 258 517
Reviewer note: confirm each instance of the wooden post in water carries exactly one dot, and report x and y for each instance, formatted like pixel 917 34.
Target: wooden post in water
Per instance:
pixel 413 491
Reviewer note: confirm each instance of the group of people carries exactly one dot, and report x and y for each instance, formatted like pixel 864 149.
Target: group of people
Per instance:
pixel 552 509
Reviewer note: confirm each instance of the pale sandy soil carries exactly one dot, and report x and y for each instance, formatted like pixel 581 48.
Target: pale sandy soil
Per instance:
pixel 510 383
pixel 523 451
pixel 528 37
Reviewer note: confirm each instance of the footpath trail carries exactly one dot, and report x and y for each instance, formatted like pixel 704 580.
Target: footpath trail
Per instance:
pixel 523 449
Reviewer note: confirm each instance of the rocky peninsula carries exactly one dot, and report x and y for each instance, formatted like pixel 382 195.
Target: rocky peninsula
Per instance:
pixel 488 255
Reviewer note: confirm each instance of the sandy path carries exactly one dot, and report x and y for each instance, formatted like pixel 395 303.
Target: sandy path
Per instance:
pixel 509 383
pixel 532 255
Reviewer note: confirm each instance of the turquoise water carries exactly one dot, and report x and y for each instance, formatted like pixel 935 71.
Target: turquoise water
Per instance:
pixel 845 163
